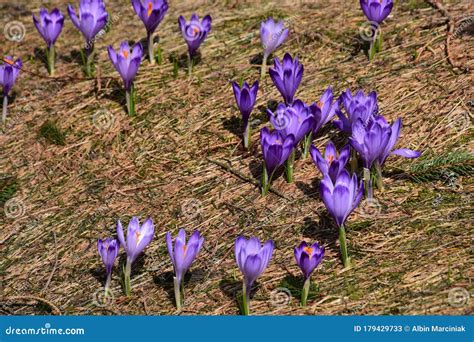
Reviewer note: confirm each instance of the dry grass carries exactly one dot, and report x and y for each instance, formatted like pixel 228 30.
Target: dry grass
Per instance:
pixel 408 254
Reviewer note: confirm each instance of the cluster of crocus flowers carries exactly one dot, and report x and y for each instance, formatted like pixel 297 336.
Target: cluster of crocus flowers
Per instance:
pixel 376 11
pixel 272 35
pixel 90 20
pixel 108 251
pixel 252 259
pixel 138 237
pixel 182 255
pixel 49 25
pixel 194 32
pixel 9 71
pixel 151 13
pixel 127 61
pixel 308 257
pixel 245 97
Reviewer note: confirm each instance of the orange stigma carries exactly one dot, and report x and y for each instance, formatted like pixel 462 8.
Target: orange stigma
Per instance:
pixel 150 8
pixel 330 159
pixel 184 249
pixel 6 60
pixel 320 104
pixel 125 53
pixel 137 237
pixel 309 250
pixel 195 31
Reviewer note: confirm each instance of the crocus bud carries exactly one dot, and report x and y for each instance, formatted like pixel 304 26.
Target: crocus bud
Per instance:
pixel 286 76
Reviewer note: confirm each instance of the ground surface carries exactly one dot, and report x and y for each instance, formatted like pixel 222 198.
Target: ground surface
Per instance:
pixel 70 179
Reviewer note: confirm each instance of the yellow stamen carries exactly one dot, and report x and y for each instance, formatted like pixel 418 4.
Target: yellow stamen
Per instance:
pixel 150 8
pixel 137 237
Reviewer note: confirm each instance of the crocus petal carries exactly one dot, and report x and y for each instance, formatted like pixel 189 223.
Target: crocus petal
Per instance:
pixel 404 152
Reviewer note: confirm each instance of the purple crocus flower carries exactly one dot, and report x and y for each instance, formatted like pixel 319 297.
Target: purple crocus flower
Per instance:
pixel 252 259
pixel 245 98
pixel 49 25
pixel 151 13
pixel 296 120
pixel 358 106
pixel 331 164
pixel 286 76
pixel 91 19
pixel 324 110
pixel 127 61
pixel 182 256
pixel 370 140
pixel 308 257
pixel 376 10
pixel 394 135
pixel 275 148
pixel 138 237
pixel 341 198
pixel 194 31
pixel 272 35
pixel 108 251
pixel 9 71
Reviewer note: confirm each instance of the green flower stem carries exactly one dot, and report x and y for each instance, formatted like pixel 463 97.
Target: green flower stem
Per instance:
pixel 353 161
pixel 379 178
pixel 89 60
pixel 51 56
pixel 289 166
pixel 130 98
pixel 342 241
pixel 305 292
pixel 177 293
pixel 150 48
pixel 5 105
pixel 369 191
pixel 107 284
pixel 245 299
pixel 247 133
pixel 266 180
pixel 263 70
pixel 306 144
pixel 127 273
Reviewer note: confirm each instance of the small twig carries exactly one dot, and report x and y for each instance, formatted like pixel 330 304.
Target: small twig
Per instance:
pixel 244 177
pixel 451 26
pixel 55 262
pixel 54 308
